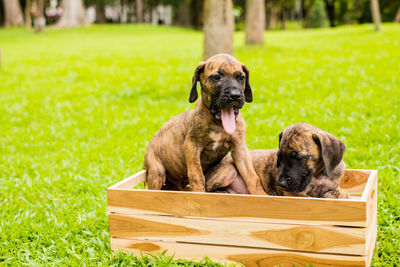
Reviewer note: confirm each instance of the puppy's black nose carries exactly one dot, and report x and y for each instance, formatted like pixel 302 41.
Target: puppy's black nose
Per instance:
pixel 282 183
pixel 235 94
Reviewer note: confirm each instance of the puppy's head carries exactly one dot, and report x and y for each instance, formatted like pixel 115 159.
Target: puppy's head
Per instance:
pixel 224 86
pixel 304 151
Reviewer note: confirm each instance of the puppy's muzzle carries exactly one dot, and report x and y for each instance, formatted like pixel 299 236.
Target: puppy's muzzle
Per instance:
pixel 287 183
pixel 235 94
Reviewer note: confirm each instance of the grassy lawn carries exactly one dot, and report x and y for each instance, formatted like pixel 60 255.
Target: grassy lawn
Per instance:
pixel 78 108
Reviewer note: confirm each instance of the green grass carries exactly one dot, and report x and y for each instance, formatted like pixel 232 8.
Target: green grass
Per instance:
pixel 78 107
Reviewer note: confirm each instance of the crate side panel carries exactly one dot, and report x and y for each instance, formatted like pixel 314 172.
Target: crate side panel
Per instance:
pixel 226 254
pixel 372 222
pixel 239 233
pixel 354 180
pixel 346 212
pixel 131 181
pixel 371 198
pixel 371 245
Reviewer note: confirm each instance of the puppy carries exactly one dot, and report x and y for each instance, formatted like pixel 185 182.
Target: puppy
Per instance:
pixel 191 143
pixel 307 163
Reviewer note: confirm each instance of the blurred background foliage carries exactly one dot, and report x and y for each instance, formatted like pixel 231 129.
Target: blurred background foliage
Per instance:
pixel 188 13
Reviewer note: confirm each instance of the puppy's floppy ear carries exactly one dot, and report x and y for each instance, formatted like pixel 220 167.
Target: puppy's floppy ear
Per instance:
pixel 196 77
pixel 248 94
pixel 332 150
pixel 278 163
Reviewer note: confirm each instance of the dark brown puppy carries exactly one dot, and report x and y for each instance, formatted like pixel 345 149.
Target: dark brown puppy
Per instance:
pixel 191 143
pixel 307 163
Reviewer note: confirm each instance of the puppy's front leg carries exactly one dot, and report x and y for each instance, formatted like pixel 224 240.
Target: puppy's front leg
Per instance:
pixel 336 193
pixel 244 164
pixel 194 171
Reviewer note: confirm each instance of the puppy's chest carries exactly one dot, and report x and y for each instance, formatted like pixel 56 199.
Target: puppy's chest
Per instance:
pixel 218 144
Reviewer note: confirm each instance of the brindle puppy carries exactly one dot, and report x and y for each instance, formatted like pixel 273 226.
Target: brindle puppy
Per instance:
pixel 191 143
pixel 307 163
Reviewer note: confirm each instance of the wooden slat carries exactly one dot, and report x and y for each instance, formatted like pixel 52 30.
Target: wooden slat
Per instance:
pixel 247 256
pixel 371 241
pixel 240 233
pixel 354 180
pixel 347 212
pixel 369 187
pixel 131 181
pixel 372 219
pixel 371 198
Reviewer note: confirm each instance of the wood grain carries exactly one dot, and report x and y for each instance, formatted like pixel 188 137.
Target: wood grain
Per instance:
pixel 354 180
pixel 371 241
pixel 145 246
pixel 372 219
pixel 312 238
pixel 247 256
pixel 369 187
pixel 128 226
pixel 347 212
pixel 254 230
pixel 240 233
pixel 131 181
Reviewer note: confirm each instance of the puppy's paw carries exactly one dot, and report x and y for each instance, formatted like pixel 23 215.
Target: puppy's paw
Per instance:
pixel 337 193
pixel 258 192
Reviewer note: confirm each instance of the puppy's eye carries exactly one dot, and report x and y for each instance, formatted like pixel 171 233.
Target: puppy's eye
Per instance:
pixel 242 78
pixel 216 77
pixel 296 156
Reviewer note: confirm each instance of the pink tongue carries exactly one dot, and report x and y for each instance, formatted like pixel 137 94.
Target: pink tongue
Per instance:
pixel 228 119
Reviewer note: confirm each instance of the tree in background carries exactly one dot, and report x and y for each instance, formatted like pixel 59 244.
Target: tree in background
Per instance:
pixel 307 7
pixel 100 11
pixel 255 21
pixel 183 12
pixel 13 13
pixel 139 11
pixel 272 15
pixel 318 17
pixel 330 11
pixel 73 14
pixel 218 27
pixel 39 20
pixel 28 20
pixel 376 14
pixel 397 18
pixel 196 12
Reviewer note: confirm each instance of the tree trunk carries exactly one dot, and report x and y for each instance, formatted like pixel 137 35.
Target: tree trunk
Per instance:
pixel 255 21
pixel 28 20
pixel 307 12
pixel 272 18
pixel 73 14
pixel 283 17
pixel 100 12
pixel 184 13
pixel 124 11
pixel 397 19
pixel 39 20
pixel 196 11
pixel 13 13
pixel 218 27
pixel 139 11
pixel 330 10
pixel 376 14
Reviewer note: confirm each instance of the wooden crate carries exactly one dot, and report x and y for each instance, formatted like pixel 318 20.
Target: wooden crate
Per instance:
pixel 248 229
